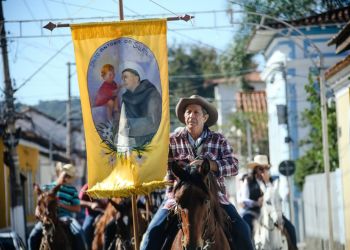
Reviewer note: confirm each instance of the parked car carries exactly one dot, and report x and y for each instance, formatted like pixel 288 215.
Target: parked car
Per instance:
pixel 11 241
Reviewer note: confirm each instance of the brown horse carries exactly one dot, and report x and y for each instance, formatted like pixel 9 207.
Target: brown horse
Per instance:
pixel 198 209
pixel 55 232
pixel 118 211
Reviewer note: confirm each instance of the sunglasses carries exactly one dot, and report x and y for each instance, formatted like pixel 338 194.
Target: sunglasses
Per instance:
pixel 263 169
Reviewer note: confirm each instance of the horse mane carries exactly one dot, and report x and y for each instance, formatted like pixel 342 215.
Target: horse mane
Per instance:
pixel 109 213
pixel 209 185
pixel 214 198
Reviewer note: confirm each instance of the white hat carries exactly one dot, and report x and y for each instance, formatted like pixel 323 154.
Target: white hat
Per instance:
pixel 69 169
pixel 259 160
pixel 134 66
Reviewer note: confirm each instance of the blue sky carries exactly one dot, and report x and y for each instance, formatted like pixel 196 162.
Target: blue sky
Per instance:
pixel 48 81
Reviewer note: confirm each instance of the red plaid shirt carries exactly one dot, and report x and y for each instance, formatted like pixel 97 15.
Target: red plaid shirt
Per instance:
pixel 214 147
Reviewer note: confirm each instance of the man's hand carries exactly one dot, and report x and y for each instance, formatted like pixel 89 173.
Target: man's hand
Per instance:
pixel 94 205
pixel 213 165
pixel 60 179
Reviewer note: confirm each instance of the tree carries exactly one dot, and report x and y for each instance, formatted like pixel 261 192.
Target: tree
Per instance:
pixel 189 68
pixel 288 10
pixel 312 161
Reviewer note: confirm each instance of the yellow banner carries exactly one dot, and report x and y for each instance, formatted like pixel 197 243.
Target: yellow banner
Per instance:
pixel 28 158
pixel 123 80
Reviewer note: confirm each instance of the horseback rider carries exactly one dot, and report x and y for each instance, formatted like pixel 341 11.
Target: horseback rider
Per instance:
pixel 68 203
pixel 93 209
pixel 188 147
pixel 252 193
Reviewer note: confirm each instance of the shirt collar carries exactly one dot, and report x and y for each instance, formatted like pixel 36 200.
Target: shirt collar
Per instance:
pixel 196 143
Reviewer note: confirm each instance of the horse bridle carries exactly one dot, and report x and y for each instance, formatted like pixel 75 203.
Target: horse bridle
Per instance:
pixel 210 238
pixel 48 228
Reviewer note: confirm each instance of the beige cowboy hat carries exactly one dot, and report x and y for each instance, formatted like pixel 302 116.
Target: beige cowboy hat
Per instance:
pixel 69 169
pixel 196 99
pixel 259 160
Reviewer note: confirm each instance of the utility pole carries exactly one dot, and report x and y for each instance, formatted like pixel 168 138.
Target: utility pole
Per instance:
pixel 17 210
pixel 69 111
pixel 249 139
pixel 326 151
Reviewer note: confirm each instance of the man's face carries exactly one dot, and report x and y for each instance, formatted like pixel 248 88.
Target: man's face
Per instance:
pixel 194 116
pixel 109 76
pixel 130 80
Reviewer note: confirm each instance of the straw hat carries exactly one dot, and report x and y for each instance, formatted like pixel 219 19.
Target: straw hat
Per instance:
pixel 69 169
pixel 259 160
pixel 196 99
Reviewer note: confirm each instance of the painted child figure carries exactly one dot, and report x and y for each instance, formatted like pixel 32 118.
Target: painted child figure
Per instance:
pixel 107 94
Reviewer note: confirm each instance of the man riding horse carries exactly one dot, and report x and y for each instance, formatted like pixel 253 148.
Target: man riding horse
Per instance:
pixel 68 202
pixel 190 146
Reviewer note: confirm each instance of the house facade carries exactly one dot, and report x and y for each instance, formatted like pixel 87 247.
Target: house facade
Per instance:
pixel 42 144
pixel 338 78
pixel 290 57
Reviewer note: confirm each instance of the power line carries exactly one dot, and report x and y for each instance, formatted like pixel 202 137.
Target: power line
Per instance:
pixel 82 6
pixel 42 66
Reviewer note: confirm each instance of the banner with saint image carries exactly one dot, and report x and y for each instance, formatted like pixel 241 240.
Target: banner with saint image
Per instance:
pixel 122 70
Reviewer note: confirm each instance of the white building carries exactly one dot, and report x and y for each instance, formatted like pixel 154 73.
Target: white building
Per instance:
pixel 289 57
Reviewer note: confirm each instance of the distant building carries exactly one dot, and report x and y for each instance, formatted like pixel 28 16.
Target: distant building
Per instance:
pixel 338 78
pixel 225 91
pixel 42 144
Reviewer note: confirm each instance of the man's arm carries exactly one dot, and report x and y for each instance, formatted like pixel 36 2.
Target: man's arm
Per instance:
pixel 71 208
pixel 227 163
pixel 243 197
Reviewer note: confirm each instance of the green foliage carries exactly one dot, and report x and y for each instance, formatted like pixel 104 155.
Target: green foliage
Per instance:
pixel 189 68
pixel 258 128
pixel 312 161
pixel 235 62
pixel 287 9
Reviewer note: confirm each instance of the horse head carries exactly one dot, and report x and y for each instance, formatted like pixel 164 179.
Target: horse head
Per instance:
pixel 45 210
pixel 197 204
pixel 272 207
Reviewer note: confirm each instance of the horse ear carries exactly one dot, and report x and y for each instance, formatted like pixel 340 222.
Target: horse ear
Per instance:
pixel 205 167
pixel 37 189
pixel 179 172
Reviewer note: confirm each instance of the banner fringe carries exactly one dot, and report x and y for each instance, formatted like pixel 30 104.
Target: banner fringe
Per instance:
pixel 113 192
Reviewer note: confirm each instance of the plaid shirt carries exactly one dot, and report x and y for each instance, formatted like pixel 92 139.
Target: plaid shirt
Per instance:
pixel 214 147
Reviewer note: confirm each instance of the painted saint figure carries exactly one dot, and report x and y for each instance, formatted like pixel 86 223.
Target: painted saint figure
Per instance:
pixel 141 108
pixel 107 94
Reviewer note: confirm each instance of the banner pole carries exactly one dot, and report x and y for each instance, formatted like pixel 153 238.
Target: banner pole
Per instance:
pixel 135 222
pixel 51 26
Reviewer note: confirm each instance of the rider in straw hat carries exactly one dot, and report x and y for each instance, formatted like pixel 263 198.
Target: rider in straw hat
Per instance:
pixel 68 203
pixel 251 193
pixel 190 145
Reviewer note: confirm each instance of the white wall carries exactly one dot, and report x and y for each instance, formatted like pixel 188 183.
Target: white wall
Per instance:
pixel 316 209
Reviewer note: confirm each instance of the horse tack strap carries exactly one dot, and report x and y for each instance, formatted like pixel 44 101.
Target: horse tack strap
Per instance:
pixel 185 225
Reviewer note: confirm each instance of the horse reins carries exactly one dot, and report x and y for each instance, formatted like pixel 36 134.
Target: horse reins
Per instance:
pixel 210 241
